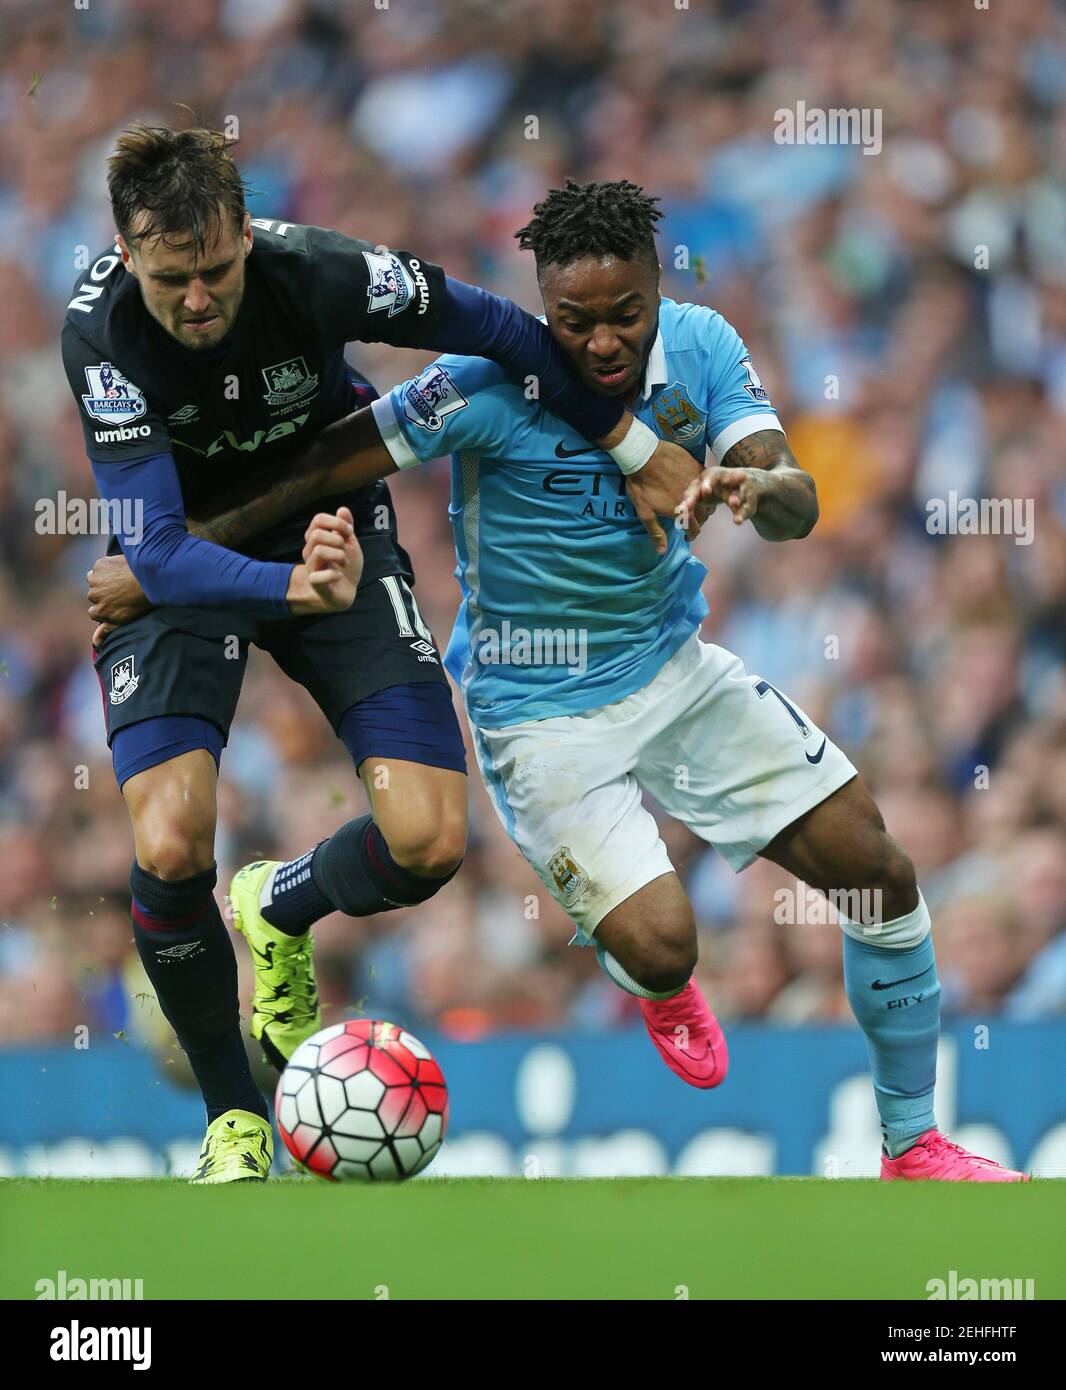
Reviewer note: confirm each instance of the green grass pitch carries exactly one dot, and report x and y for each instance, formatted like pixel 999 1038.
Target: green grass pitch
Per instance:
pixel 659 1238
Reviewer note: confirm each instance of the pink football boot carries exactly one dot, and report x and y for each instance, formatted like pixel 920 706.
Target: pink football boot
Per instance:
pixel 688 1036
pixel 938 1158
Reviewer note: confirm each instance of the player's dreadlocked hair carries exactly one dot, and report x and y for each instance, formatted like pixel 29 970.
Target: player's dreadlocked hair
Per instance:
pixel 185 181
pixel 592 219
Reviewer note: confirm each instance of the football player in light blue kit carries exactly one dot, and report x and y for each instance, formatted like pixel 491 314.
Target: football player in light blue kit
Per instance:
pixel 585 682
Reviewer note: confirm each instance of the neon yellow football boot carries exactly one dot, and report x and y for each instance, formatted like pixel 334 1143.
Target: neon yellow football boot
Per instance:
pixel 285 1005
pixel 238 1147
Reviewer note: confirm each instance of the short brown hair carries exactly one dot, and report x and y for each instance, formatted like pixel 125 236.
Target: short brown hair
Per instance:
pixel 185 181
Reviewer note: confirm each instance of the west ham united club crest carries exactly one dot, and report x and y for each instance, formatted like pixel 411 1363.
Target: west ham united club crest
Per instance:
pixel 124 680
pixel 288 382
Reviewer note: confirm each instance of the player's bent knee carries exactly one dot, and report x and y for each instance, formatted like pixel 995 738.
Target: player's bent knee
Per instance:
pixel 666 964
pixel 174 854
pixel 430 851
pixel 172 810
pixel 663 979
pixel 652 936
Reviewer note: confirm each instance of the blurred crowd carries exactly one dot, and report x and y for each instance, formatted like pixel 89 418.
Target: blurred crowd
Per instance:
pixel 906 310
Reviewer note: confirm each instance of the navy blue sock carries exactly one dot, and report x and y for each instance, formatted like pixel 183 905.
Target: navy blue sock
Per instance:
pixel 188 956
pixel 296 901
pixel 354 870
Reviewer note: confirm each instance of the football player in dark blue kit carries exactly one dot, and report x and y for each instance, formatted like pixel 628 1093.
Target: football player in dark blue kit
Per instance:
pixel 203 349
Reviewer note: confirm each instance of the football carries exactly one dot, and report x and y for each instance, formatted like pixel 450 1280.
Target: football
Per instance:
pixel 363 1100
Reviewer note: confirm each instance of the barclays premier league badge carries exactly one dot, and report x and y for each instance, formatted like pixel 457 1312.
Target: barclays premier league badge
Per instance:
pixel 433 396
pixel 390 285
pixel 111 397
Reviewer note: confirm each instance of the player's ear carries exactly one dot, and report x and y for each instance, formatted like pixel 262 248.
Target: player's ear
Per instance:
pixel 125 253
pixel 246 233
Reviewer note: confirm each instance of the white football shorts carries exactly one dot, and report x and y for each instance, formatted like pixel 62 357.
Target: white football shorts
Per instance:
pixel 718 749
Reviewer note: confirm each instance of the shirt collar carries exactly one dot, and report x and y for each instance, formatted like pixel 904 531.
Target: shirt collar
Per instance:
pixel 655 376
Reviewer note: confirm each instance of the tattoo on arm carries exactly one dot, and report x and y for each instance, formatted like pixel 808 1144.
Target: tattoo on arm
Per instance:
pixel 788 507
pixel 347 455
pixel 763 449
pixel 249 511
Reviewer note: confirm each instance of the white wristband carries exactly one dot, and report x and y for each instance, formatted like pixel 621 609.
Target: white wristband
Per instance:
pixel 636 448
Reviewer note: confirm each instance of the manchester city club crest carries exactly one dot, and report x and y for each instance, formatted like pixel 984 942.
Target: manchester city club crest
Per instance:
pixel 124 680
pixel 677 417
pixel 288 382
pixel 570 878
pixel 111 396
pixel 390 285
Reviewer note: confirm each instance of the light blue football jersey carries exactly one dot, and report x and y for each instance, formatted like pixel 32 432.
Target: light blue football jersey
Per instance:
pixel 566 606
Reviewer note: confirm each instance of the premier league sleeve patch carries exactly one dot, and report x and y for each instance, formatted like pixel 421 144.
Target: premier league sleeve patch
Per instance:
pixel 112 397
pixel 391 287
pixel 430 397
pixel 754 387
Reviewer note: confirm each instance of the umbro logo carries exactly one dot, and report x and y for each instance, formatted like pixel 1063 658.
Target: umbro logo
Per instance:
pixel 426 651
pixel 185 416
pixel 178 952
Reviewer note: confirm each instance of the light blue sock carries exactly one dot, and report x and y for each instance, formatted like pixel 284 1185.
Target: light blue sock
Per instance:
pixel 895 996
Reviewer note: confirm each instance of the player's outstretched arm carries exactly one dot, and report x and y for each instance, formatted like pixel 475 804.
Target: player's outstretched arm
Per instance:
pixel 346 455
pixel 172 566
pixel 356 283
pixel 759 481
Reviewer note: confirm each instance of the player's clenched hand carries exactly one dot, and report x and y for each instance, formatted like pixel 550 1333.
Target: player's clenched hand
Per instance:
pixel 332 566
pixel 658 488
pixel 114 595
pixel 738 488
